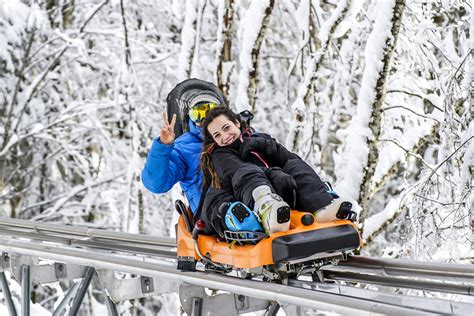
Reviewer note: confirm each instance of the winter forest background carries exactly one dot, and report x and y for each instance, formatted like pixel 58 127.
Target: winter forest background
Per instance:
pixel 374 94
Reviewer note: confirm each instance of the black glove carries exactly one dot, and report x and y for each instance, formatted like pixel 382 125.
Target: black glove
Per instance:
pixel 283 183
pixel 262 145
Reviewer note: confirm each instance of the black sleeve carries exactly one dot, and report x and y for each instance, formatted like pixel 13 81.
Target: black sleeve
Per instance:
pixel 282 155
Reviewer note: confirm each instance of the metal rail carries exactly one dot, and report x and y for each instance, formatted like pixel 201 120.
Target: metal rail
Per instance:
pixel 440 277
pixel 110 245
pixel 410 267
pixel 122 248
pixel 97 234
pixel 356 266
pixel 270 291
pixel 426 285
pixel 427 304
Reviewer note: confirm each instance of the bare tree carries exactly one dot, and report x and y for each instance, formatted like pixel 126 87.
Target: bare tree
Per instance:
pixel 259 14
pixel 366 124
pixel 125 32
pixel 188 40
pixel 303 103
pixel 377 104
pixel 224 52
pixel 471 101
pixel 20 135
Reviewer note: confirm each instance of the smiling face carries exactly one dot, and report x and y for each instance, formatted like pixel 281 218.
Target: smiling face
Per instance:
pixel 224 131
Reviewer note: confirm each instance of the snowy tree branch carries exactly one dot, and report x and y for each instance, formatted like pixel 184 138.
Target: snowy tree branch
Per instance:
pixel 370 238
pixel 257 19
pixel 63 199
pixel 37 131
pixel 410 110
pixel 415 95
pixel 224 53
pixel 408 152
pixel 389 43
pixel 450 156
pixel 128 54
pixel 306 89
pixel 33 88
pixel 330 27
pixel 188 41
pixel 91 15
pixel 438 202
pixel 25 62
pixel 395 168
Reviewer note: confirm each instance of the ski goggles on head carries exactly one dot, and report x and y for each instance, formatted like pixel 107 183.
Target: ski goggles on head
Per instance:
pixel 198 112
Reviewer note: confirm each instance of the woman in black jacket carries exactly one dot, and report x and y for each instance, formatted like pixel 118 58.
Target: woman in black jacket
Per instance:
pixel 260 172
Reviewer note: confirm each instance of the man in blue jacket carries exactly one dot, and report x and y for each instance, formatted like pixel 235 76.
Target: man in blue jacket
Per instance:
pixel 170 161
pixel 173 160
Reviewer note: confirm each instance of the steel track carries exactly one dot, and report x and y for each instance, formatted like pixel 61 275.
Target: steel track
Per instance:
pixel 76 245
pixel 302 294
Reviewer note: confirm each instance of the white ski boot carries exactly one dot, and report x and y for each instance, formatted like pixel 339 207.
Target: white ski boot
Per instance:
pixel 338 209
pixel 273 211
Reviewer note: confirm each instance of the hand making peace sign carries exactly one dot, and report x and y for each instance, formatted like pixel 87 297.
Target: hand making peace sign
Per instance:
pixel 167 131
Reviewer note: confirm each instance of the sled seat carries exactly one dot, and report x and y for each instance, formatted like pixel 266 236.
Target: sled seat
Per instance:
pixel 302 241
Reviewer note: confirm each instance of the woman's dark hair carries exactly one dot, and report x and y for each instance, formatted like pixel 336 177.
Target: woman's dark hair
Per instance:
pixel 210 177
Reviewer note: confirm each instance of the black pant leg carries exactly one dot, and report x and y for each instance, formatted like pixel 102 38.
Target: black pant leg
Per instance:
pixel 311 193
pixel 210 210
pixel 247 179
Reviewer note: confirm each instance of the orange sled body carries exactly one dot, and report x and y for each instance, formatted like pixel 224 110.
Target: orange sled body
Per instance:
pixel 300 242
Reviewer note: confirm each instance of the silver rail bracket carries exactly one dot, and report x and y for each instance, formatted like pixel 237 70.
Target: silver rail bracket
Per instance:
pixel 60 270
pixel 194 298
pixel 45 273
pixel 147 284
pixel 133 288
pixel 5 261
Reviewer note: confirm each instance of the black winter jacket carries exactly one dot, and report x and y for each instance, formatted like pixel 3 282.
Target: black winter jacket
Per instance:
pixel 242 177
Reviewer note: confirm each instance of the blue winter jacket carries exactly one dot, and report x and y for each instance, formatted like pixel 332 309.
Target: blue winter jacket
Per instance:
pixel 177 162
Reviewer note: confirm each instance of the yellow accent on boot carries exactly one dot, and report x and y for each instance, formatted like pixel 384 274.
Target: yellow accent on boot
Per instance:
pixel 263 215
pixel 268 205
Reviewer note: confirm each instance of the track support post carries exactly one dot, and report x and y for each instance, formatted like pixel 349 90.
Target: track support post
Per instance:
pixel 25 290
pixel 110 305
pixel 196 308
pixel 82 290
pixel 7 294
pixel 70 293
